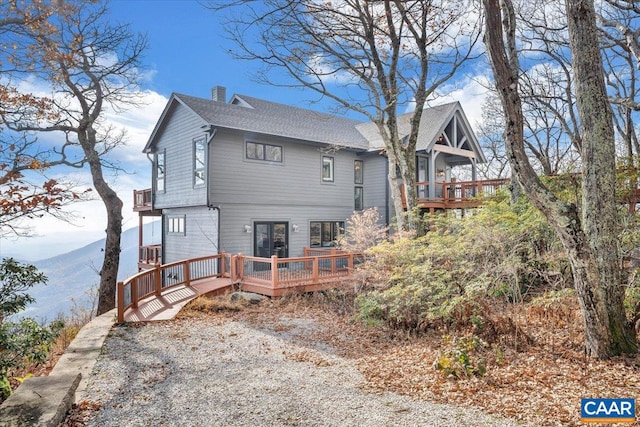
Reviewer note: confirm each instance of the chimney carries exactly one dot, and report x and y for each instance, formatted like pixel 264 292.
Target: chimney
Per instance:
pixel 219 93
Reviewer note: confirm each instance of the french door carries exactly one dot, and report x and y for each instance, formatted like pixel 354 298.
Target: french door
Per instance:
pixel 271 238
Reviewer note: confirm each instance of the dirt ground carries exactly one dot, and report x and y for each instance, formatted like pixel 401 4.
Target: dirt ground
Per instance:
pixel 534 367
pixel 536 370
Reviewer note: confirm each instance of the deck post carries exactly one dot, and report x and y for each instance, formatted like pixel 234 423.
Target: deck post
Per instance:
pixel 274 271
pixel 187 273
pixel 157 276
pixel 237 265
pixel 120 302
pixel 134 293
pixel 316 269
pixel 350 263
pixel 222 265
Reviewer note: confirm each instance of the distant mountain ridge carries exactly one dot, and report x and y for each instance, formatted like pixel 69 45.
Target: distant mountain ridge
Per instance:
pixel 73 276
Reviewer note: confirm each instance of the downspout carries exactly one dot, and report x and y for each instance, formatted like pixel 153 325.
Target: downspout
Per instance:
pixel 211 131
pixel 386 194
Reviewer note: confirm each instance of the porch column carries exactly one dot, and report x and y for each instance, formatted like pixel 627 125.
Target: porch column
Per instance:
pixel 140 239
pixel 474 174
pixel 432 174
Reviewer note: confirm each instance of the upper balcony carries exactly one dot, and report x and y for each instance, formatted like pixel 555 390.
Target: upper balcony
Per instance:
pixel 142 200
pixel 456 195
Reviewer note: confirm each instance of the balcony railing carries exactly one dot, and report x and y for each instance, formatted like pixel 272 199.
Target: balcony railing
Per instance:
pixel 457 194
pixel 149 256
pixel 142 200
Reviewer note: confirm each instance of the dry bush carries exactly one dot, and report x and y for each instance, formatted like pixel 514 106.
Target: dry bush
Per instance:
pixel 215 304
pixel 364 229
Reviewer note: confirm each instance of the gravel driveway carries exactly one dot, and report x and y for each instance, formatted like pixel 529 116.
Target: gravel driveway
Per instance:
pixel 214 372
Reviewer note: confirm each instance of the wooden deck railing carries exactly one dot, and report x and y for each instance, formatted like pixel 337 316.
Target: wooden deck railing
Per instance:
pixel 457 194
pixel 270 276
pixel 163 277
pixel 149 255
pixel 458 191
pixel 277 275
pixel 142 200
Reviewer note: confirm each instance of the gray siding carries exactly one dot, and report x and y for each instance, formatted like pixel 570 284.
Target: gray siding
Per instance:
pixel 291 191
pixel 234 217
pixel 176 141
pixel 297 181
pixel 375 184
pixel 199 239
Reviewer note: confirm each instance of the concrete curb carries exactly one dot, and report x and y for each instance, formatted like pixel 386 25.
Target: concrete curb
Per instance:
pixel 44 401
pixel 40 401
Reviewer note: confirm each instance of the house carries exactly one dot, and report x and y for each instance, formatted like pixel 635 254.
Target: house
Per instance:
pixel 260 178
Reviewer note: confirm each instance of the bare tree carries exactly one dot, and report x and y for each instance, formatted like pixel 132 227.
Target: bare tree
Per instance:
pixel 491 136
pixel 91 65
pixel 589 239
pixel 622 66
pixel 376 58
pixel 25 190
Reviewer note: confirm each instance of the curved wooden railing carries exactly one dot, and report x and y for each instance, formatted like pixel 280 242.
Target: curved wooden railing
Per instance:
pixel 163 277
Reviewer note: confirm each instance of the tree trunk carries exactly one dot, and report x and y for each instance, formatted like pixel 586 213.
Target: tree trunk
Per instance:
pixel 599 205
pixel 396 191
pixel 596 274
pixel 113 205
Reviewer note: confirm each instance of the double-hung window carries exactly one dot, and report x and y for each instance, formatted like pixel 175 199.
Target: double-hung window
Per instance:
pixel 199 162
pixel 327 169
pixel 358 172
pixel 358 190
pixel 358 198
pixel 160 171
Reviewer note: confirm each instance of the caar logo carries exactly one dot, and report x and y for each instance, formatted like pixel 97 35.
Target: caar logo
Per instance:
pixel 608 410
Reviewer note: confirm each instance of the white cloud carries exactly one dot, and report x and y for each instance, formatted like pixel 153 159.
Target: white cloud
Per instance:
pixel 471 91
pixel 52 236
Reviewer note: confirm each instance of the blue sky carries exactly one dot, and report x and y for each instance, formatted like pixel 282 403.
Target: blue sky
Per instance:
pixel 189 54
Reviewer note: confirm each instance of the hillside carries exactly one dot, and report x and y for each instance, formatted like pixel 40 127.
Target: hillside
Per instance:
pixel 73 276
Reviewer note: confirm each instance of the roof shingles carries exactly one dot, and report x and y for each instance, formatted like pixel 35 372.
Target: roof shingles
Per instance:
pixel 277 119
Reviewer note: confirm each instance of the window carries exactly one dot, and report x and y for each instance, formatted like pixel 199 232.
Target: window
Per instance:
pixel 357 172
pixel 160 171
pixel 327 169
pixel 267 152
pixel 358 198
pixel 325 233
pixel 199 162
pixel 175 225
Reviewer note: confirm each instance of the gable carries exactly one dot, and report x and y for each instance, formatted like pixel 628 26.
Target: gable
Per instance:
pixel 440 126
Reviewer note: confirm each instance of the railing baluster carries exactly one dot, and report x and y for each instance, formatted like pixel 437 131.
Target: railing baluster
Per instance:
pixel 120 302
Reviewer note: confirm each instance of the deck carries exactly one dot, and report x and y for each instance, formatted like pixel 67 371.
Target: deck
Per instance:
pixel 159 293
pixel 456 194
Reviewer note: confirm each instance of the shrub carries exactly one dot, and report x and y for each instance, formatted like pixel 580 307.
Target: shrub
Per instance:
pixel 460 357
pixel 25 341
pixel 443 277
pixel 364 229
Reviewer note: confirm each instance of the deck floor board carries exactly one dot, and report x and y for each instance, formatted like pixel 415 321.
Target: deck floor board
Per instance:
pixel 172 300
